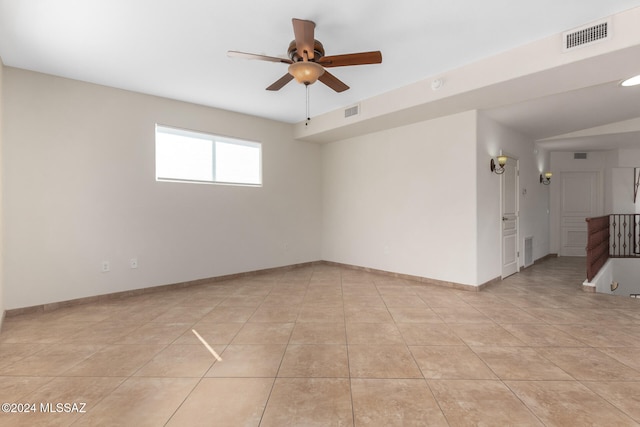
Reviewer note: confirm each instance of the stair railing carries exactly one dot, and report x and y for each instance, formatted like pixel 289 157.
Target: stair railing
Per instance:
pixel 611 236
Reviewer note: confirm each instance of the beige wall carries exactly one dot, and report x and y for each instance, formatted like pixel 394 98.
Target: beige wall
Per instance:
pixel 404 200
pixel 421 199
pixel 80 189
pixel 622 183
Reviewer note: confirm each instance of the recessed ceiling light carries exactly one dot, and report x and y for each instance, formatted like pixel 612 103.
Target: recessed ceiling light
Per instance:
pixel 633 81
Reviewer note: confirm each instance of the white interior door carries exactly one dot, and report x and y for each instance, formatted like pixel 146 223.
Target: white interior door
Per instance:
pixel 578 201
pixel 510 219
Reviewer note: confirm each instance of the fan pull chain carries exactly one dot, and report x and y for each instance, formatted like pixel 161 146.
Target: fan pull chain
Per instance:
pixel 308 115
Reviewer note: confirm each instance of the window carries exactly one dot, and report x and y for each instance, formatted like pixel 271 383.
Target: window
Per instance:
pixel 189 156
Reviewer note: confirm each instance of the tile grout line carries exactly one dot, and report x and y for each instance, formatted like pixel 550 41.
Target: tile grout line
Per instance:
pixel 346 339
pixel 273 385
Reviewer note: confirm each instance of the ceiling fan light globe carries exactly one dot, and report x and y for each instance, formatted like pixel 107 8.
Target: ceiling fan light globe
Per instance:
pixel 306 72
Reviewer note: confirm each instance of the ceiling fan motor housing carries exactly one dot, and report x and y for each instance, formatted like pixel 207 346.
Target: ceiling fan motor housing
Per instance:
pixel 318 52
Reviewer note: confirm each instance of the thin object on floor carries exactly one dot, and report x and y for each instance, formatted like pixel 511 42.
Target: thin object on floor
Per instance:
pixel 206 344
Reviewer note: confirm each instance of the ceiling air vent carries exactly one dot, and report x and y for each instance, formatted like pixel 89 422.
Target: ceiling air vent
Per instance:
pixel 352 111
pixel 579 156
pixel 586 35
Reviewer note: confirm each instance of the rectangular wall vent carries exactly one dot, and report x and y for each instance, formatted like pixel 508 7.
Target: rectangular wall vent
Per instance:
pixel 586 35
pixel 528 251
pixel 352 111
pixel 579 156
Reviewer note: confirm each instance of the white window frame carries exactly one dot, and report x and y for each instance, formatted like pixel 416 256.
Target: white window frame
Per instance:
pixel 214 139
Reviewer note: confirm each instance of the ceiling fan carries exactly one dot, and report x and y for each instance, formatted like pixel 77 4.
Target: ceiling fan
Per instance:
pixel 307 62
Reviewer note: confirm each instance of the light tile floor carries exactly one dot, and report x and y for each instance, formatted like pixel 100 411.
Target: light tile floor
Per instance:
pixel 325 345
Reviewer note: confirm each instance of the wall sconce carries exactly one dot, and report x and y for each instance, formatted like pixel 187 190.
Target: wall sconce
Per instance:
pixel 546 179
pixel 502 160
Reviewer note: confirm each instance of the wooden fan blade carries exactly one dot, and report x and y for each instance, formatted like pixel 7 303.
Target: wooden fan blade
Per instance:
pixel 279 84
pixel 244 55
pixel 352 59
pixel 303 31
pixel 333 82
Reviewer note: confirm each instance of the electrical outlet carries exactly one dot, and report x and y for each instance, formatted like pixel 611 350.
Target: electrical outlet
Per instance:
pixel 106 267
pixel 133 263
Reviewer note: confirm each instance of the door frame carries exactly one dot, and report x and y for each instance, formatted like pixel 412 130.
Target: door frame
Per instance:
pixel 510 157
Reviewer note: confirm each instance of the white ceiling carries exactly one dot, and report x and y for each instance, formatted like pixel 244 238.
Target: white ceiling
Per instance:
pixel 177 49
